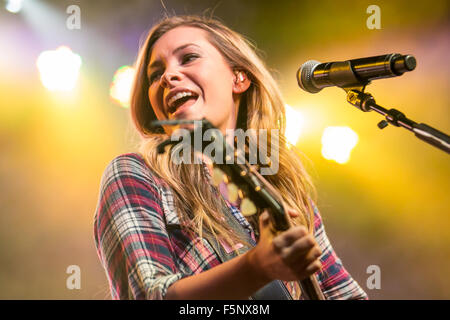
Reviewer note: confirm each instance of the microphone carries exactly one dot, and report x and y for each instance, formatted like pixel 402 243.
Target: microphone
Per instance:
pixel 313 76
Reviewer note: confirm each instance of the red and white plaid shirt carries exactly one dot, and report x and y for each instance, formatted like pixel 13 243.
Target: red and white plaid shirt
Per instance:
pixel 143 249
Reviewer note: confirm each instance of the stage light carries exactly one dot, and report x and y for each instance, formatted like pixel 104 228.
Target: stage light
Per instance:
pixel 14 6
pixel 120 89
pixel 337 143
pixel 294 124
pixel 59 69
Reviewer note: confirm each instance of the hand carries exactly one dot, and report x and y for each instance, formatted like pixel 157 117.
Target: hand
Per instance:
pixel 290 255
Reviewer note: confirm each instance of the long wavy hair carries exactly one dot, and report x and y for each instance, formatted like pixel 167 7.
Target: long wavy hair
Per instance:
pixel 261 107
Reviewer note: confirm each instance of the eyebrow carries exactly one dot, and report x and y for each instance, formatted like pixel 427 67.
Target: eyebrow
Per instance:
pixel 158 62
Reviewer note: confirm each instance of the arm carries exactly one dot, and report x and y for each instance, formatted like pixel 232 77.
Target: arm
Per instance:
pixel 134 247
pixel 242 276
pixel 130 235
pixel 335 281
pixel 291 255
pixel 234 279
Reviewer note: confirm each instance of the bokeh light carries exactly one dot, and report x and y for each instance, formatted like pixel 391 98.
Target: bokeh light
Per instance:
pixel 294 124
pixel 122 82
pixel 14 6
pixel 337 143
pixel 59 69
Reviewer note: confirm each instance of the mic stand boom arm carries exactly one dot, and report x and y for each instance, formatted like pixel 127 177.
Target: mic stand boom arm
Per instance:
pixel 365 102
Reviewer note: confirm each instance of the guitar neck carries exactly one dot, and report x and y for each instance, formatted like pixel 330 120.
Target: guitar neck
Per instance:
pixel 265 196
pixel 258 192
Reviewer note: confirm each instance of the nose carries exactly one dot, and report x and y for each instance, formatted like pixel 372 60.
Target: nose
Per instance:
pixel 168 78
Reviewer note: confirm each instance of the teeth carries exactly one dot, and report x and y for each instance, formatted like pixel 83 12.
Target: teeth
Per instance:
pixel 179 95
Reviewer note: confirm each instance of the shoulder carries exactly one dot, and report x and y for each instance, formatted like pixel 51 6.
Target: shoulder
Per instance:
pixel 129 167
pixel 319 228
pixel 127 162
pixel 318 222
pixel 129 188
pixel 316 216
pixel 128 177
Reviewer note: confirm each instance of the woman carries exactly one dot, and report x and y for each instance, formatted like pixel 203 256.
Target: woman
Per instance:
pixel 153 215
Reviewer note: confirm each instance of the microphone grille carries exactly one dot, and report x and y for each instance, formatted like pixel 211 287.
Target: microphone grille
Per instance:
pixel 304 76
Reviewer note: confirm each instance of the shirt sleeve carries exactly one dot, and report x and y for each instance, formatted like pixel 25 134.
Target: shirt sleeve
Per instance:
pixel 335 281
pixel 130 232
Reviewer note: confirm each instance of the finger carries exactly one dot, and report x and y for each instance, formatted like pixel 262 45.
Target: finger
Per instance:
pixel 313 267
pixel 311 256
pixel 302 252
pixel 289 237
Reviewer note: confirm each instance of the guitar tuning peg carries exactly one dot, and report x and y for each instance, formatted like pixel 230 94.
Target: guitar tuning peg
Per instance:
pixel 217 176
pixel 248 208
pixel 232 192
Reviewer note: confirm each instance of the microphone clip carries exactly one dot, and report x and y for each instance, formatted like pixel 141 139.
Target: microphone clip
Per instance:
pixel 365 102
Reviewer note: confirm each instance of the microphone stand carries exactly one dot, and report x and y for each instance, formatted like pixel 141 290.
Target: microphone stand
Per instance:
pixel 365 102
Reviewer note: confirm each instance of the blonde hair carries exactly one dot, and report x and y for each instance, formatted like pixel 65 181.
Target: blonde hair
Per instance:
pixel 261 107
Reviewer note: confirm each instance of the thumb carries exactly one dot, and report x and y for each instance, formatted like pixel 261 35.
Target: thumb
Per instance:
pixel 292 213
pixel 264 222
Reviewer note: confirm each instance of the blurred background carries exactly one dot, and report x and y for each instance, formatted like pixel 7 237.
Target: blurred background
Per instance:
pixel 383 194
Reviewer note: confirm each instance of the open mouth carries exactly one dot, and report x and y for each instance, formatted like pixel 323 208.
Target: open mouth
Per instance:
pixel 182 99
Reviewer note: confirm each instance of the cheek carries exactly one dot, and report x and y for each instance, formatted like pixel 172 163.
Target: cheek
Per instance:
pixel 218 95
pixel 215 77
pixel 218 88
pixel 156 103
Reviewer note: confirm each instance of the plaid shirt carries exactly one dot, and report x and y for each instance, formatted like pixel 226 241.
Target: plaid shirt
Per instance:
pixel 143 249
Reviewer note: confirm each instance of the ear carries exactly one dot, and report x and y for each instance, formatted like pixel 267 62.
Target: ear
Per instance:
pixel 241 82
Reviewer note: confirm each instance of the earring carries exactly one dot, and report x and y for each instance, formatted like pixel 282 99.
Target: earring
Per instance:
pixel 239 76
